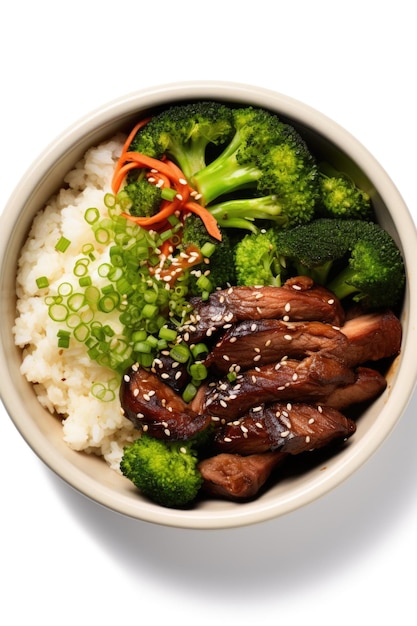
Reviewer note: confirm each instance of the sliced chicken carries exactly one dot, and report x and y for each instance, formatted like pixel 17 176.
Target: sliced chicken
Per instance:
pixel 310 380
pixel 156 408
pixel 298 299
pixel 372 337
pixel 291 427
pixel 238 477
pixel 249 343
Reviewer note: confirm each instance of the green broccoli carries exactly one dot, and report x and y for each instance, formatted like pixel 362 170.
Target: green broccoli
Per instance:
pixel 217 270
pixel 350 257
pixel 184 133
pixel 256 260
pixel 141 198
pixel 266 162
pixel 341 198
pixel 165 471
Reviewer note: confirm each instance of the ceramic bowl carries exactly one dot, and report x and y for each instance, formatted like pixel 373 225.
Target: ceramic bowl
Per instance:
pixel 90 475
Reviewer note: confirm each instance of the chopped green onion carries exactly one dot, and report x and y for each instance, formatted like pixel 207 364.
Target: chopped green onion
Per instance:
pixel 169 334
pixel 58 312
pixel 199 351
pixel 180 353
pixel 62 244
pixel 198 371
pixel 189 392
pixel 167 193
pixel 42 282
pixel 85 281
pixel 92 215
pixel 149 311
pixel 207 249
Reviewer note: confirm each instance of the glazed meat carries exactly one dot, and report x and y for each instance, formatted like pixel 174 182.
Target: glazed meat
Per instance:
pixel 372 337
pixel 310 380
pixel 238 477
pixel 249 343
pixel 291 427
pixel 368 385
pixel 298 299
pixel 154 407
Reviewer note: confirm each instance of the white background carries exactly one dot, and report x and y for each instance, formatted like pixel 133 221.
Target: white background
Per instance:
pixel 348 558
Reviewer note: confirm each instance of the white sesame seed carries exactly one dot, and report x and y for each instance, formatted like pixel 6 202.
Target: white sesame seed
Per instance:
pixel 126 378
pixel 285 433
pixel 257 357
pixel 308 439
pixel 223 403
pixel 287 307
pixel 167 432
pixel 227 440
pixel 135 392
pixel 311 420
pixel 288 337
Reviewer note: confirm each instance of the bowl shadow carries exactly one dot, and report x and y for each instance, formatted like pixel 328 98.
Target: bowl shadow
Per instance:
pixel 283 555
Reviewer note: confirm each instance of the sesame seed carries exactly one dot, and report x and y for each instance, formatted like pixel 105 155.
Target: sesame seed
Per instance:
pixel 295 376
pixel 182 181
pixel 330 301
pixel 167 432
pixel 258 425
pixel 223 403
pixel 256 409
pixel 296 287
pixel 311 420
pixel 253 327
pixel 227 440
pixel 226 357
pixel 257 357
pixel 126 378
pixel 253 378
pixel 140 416
pixel 308 439
pixel 232 339
pixel 285 433
pixel 268 343
pixel 243 429
pixel 288 337
pixel 257 350
pixel 287 307
pixel 135 392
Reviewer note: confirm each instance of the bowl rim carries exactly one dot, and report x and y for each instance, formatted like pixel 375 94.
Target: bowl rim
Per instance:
pixel 248 513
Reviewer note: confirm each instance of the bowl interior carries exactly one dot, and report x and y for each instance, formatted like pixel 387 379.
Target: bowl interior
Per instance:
pixel 89 474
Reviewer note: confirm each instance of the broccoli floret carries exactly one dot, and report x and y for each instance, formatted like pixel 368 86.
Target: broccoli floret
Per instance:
pixel 184 133
pixel 164 471
pixel 256 260
pixel 144 198
pixel 351 257
pixel 217 270
pixel 341 198
pixel 266 159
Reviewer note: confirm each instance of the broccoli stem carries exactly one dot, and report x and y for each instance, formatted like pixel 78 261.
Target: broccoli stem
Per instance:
pixel 225 174
pixel 340 285
pixel 240 213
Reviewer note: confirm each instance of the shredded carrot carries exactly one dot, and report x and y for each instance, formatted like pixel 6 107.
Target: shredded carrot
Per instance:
pixel 165 174
pixel 207 218
pixel 125 148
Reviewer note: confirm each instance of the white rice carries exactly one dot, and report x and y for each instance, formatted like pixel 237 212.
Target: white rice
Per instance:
pixel 63 378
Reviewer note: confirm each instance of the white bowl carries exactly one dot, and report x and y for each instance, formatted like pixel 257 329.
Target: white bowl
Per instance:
pixel 90 475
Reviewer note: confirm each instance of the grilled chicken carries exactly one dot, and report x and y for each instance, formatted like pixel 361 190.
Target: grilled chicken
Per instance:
pixel 238 477
pixel 372 337
pixel 249 343
pixel 156 408
pixel 291 427
pixel 298 299
pixel 310 380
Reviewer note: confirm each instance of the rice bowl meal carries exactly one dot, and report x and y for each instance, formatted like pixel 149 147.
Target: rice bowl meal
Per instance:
pixel 211 303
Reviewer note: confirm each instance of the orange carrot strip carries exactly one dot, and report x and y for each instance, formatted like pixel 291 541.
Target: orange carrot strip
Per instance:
pixel 163 214
pixel 126 145
pixel 207 218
